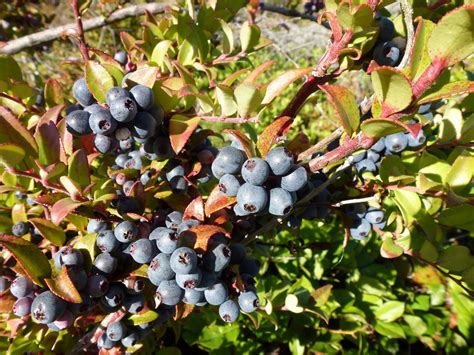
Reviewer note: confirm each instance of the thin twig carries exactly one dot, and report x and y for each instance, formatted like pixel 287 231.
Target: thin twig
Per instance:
pixel 407 11
pixel 229 119
pixel 320 146
pixel 355 200
pixel 80 30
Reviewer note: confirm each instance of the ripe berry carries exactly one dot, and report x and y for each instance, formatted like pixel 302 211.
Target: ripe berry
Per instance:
pixel 415 142
pixel 134 303
pixel 360 229
pixel 77 123
pixel 359 157
pixel 65 320
pixel 166 239
pixel 396 142
pixel 143 96
pixel 386 28
pixel 379 146
pixel 102 122
pixel 229 160
pixel 125 232
pixel 97 285
pixel 255 171
pixel 116 93
pixel 169 292
pixel 374 215
pixel 295 180
pixel 46 307
pixel 229 311
pixel 70 256
pixel 280 160
pixel 387 53
pixel 216 294
pixel 116 331
pixel 105 263
pixel 22 306
pixel 114 296
pixel 281 202
pixel 78 277
pixel 21 287
pixel 131 339
pixel 81 93
pixel 373 155
pixel 146 177
pixel 160 269
pixel 178 170
pixel 238 253
pixel 192 296
pixel 105 144
pixel 217 259
pixel 123 109
pixel 121 57
pixel 19 229
pixel 366 165
pixel 93 108
pixel 174 219
pixel 208 278
pixel 249 266
pixel 162 148
pixel 191 280
pixel 252 199
pixel 248 301
pixel 144 125
pixel 183 260
pixel 105 343
pixel 106 241
pixel 185 225
pixel 178 184
pixel 158 113
pixel 142 251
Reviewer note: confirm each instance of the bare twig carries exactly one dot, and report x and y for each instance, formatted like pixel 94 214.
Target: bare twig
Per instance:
pixel 320 146
pixel 407 11
pixel 48 35
pixel 355 200
pixel 81 39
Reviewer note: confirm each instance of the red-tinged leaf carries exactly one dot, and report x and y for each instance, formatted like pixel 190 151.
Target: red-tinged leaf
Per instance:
pixel 31 259
pixel 52 171
pixel 271 133
pixel 203 237
pixel 78 168
pixel 6 302
pixel 138 192
pixel 145 76
pixel 62 286
pixel 379 127
pixel 253 76
pixel 389 249
pixel 449 90
pixel 67 140
pixel 87 143
pixel 49 231
pixel 345 105
pixel 49 199
pixel 71 187
pixel 182 311
pixel 277 85
pixel 299 143
pixel 128 40
pixel 53 114
pixel 49 145
pixel 217 201
pixel 220 217
pixel 244 140
pixel 98 79
pixel 181 129
pixel 53 93
pixel 12 131
pixel 106 58
pixel 195 210
pixel 62 208
pixel 231 78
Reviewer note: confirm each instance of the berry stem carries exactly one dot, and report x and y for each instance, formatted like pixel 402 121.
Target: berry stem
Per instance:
pixel 80 30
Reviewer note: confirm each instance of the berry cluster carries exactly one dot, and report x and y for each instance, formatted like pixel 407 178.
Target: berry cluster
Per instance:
pixel 260 185
pixel 364 220
pixel 388 49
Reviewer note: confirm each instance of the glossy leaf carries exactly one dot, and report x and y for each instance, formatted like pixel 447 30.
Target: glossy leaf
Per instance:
pixel 449 90
pixel 11 154
pixel 392 89
pixel 420 59
pixel 62 208
pixel 98 80
pixel 228 38
pixel 249 36
pixel 248 98
pixel 78 168
pixel 62 286
pixel 202 236
pixel 389 249
pixel 181 129
pixel 345 105
pixel 31 259
pixel 217 201
pixel 379 127
pixel 246 143
pixel 12 131
pixel 19 213
pixel 452 39
pixel 50 231
pixel 277 85
pixel 408 203
pixel 195 210
pixel 49 145
pixel 226 99
pixel 271 133
pixel 53 93
pixel 143 318
pixel 390 311
pixel 145 76
pixel 458 216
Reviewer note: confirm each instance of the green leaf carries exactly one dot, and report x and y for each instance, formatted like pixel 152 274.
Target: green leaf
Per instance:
pixel 420 59
pixel 248 98
pixel 458 216
pixel 62 286
pixel 391 330
pixel 98 80
pixel 147 317
pixel 277 85
pixel 456 258
pixel 12 131
pixel 19 213
pixel 31 259
pixel 11 154
pixel 457 88
pixel 249 36
pixel 185 55
pixel 160 52
pixel 214 337
pixel 49 145
pixel 62 208
pixel 389 249
pixel 48 230
pixel 461 172
pixel 392 89
pixel 321 295
pixel 53 93
pixel 409 204
pixel 452 39
pixel 380 127
pixel 225 97
pixel 390 311
pixel 181 129
pixel 417 325
pixel 346 106
pixel 78 168
pixel 9 69
pixel 145 76
pixel 228 39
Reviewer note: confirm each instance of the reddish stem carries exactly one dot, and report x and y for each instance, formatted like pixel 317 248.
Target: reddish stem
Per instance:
pixel 428 77
pixel 80 30
pixel 229 119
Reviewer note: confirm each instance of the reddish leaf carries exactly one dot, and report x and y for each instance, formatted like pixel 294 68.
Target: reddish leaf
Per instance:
pixel 231 78
pixel 183 310
pixel 32 260
pixel 138 192
pixel 53 114
pixel 53 93
pixel 252 77
pixel 217 201
pixel 203 236
pixel 271 133
pixel 379 127
pixel 220 217
pixel 62 208
pixel 145 76
pixel 279 84
pixel 12 131
pixel 181 129
pixel 98 79
pixel 244 140
pixel 48 199
pixel 47 137
pixel 61 285
pixel 299 143
pixel 195 210
pixel 128 40
pixel 6 302
pixel 449 90
pixel 78 168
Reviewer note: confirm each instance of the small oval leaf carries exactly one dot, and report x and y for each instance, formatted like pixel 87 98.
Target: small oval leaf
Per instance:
pixel 98 80
pixel 49 231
